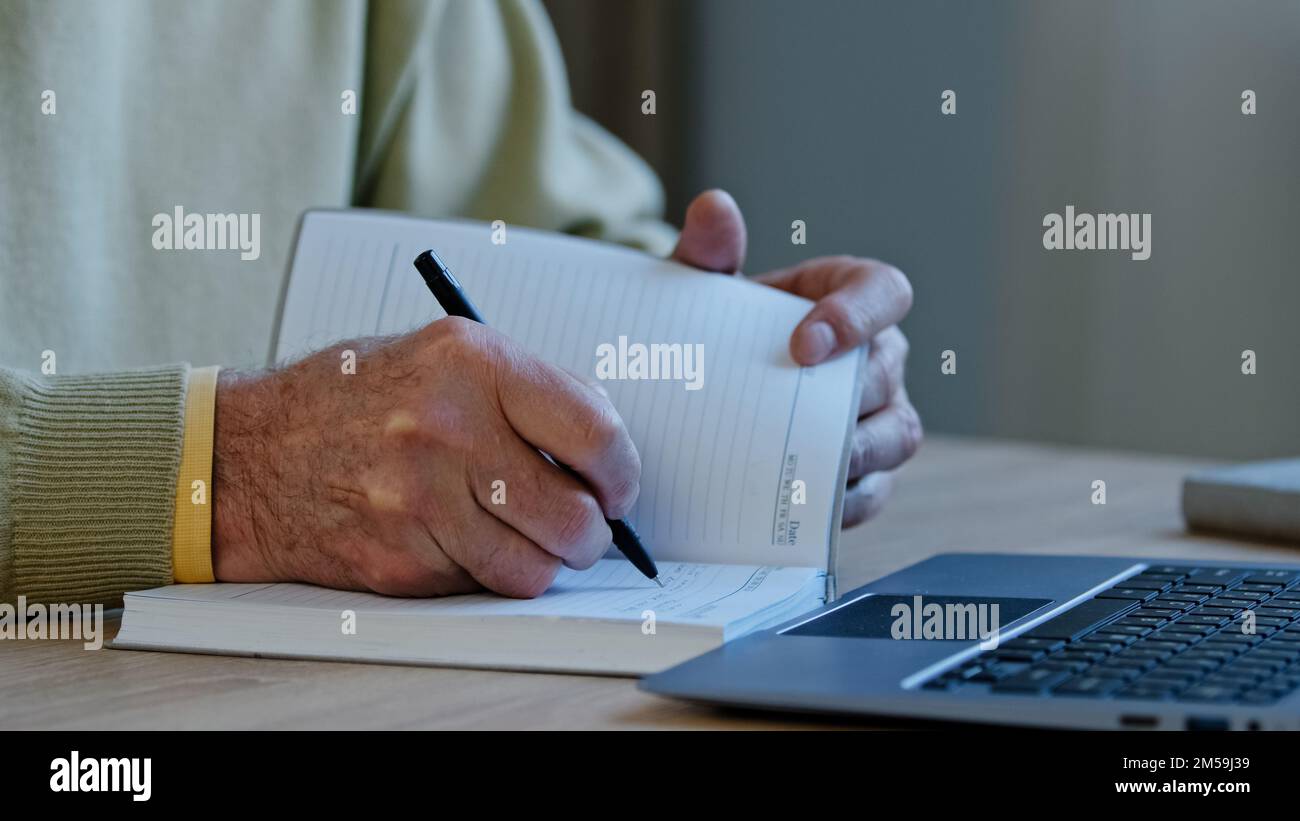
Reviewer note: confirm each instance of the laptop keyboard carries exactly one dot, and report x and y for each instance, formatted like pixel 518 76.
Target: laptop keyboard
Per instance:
pixel 1169 633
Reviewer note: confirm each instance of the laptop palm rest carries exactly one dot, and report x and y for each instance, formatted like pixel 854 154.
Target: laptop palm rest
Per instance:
pixel 939 618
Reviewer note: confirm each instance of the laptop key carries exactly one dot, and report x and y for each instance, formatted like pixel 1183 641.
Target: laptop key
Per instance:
pixel 1235 678
pixel 1122 639
pixel 1217 656
pixel 995 672
pixel 1139 664
pixel 1165 676
pixel 1265 666
pixel 1166 643
pixel 1033 680
pixel 1144 693
pixel 1203 664
pixel 1018 655
pixel 1166 639
pixel 1126 594
pixel 1174 605
pixel 1095 686
pixel 1128 629
pixel 1081 655
pixel 1233 634
pixel 1230 602
pixel 1121 673
pixel 1138 651
pixel 1159 577
pixel 1157 613
pixel 1072 665
pixel 1266 621
pixel 1211 620
pixel 1222 576
pixel 1203 693
pixel 1183 596
pixel 1171 570
pixel 1144 583
pixel 1143 620
pixel 1278 612
pixel 1091 644
pixel 1267 589
pixel 1224 646
pixel 1215 611
pixel 1266 652
pixel 1198 630
pixel 1262 631
pixel 1280 577
pixel 1046 645
pixel 1248 595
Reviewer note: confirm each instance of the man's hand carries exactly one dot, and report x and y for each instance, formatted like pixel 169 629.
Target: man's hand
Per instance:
pixel 859 302
pixel 386 479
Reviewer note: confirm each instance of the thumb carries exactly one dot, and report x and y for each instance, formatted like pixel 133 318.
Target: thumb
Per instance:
pixel 713 237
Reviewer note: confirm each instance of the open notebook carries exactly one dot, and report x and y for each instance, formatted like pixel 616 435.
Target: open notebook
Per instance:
pixel 742 471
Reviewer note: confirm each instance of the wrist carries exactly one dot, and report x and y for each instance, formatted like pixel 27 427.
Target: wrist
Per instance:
pixel 242 529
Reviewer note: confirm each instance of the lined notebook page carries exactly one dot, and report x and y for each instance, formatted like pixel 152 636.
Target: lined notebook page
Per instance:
pixel 714 595
pixel 718 463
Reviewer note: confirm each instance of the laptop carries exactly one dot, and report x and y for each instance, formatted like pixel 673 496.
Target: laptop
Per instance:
pixel 1083 642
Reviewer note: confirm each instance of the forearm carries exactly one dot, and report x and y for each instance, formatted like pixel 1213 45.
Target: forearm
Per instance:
pixel 88 470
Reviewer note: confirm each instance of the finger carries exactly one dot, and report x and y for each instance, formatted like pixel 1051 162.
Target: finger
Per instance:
pixel 856 300
pixel 593 384
pixel 713 236
pixel 885 439
pixel 882 374
pixel 562 416
pixel 503 560
pixel 549 507
pixel 864 499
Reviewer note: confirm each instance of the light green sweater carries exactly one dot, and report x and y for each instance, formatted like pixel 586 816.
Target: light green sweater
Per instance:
pixel 232 107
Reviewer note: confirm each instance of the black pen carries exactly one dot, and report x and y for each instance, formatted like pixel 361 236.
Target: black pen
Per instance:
pixel 446 289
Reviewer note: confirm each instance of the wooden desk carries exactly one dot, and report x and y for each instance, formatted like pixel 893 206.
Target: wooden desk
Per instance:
pixel 957 495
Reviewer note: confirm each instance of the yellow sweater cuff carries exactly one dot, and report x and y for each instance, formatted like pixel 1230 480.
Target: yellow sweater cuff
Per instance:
pixel 192 531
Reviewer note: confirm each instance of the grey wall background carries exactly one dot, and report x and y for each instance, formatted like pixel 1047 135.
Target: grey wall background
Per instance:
pixel 828 111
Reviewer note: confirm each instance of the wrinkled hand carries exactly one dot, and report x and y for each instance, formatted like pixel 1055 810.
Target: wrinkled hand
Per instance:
pixel 858 302
pixel 383 479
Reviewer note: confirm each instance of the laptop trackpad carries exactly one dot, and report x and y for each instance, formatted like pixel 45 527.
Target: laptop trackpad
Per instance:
pixel 879 617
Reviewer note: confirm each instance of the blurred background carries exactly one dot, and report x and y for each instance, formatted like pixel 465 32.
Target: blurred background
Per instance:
pixel 828 111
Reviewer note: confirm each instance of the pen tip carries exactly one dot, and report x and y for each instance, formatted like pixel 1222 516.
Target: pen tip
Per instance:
pixel 656 581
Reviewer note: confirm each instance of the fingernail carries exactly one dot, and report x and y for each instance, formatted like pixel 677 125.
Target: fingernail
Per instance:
pixel 819 341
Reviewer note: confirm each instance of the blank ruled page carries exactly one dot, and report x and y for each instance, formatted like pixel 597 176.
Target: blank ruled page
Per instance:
pixel 721 464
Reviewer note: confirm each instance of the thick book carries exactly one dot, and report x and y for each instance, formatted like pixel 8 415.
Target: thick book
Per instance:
pixel 1260 500
pixel 744 454
pixel 608 619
